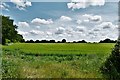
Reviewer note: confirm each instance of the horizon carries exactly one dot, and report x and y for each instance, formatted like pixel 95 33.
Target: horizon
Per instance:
pixel 70 41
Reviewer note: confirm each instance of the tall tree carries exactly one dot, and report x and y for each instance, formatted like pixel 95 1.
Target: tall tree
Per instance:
pixel 9 31
pixel 0 29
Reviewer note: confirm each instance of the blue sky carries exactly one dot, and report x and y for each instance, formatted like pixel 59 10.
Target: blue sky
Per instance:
pixel 91 21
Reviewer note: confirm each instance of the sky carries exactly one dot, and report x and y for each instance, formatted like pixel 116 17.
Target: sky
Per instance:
pixel 90 20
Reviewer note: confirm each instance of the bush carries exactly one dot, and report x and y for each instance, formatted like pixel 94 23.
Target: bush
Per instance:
pixel 111 68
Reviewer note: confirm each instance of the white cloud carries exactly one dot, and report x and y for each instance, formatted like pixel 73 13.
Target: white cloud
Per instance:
pixel 23 33
pixel 103 31
pixel 117 27
pixel 36 32
pixel 48 33
pixel 80 29
pixel 86 20
pixel 4 6
pixel 79 22
pixel 69 31
pixel 96 18
pixel 23 24
pixel 107 25
pixel 21 4
pixel 60 30
pixel 65 18
pixel 97 2
pixel 96 29
pixel 38 21
pixel 71 5
pixel 93 18
pixel 28 3
pixel 77 4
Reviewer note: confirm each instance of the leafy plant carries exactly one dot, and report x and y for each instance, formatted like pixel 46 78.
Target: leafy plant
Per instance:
pixel 10 69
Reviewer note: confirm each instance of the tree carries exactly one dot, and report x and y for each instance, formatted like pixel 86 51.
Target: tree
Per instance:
pixel 37 41
pixel 107 41
pixel 63 41
pixel 9 31
pixel 44 41
pixel 52 41
pixel 83 41
pixel 0 30
pixel 31 41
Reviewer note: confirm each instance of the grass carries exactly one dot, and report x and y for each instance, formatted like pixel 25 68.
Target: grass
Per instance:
pixel 80 61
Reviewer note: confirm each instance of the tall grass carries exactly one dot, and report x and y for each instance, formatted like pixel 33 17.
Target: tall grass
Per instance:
pixel 18 62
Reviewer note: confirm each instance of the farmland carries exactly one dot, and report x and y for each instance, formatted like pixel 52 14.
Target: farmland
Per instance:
pixel 53 60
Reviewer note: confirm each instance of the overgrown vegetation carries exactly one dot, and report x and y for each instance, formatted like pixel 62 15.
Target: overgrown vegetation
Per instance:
pixel 56 65
pixel 111 67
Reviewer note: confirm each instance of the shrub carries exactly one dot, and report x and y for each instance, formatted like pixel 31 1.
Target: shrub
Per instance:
pixel 111 67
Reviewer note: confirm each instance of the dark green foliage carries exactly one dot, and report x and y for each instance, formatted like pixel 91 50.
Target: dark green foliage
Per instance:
pixel 9 31
pixel 111 68
pixel 0 30
pixel 108 41
pixel 63 41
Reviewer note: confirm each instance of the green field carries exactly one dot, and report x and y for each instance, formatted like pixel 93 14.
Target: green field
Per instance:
pixel 53 60
pixel 62 48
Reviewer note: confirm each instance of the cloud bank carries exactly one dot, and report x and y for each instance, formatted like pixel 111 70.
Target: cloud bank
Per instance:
pixel 58 29
pixel 78 4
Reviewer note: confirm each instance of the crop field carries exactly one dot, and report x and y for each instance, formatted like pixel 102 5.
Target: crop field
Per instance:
pixel 62 48
pixel 54 60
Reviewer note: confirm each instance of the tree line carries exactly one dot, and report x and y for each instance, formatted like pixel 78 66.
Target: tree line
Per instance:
pixel 53 41
pixel 64 41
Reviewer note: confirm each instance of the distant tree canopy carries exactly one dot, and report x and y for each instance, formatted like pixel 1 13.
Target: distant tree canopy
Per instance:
pixel 9 33
pixel 53 41
pixel 64 41
pixel 108 41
